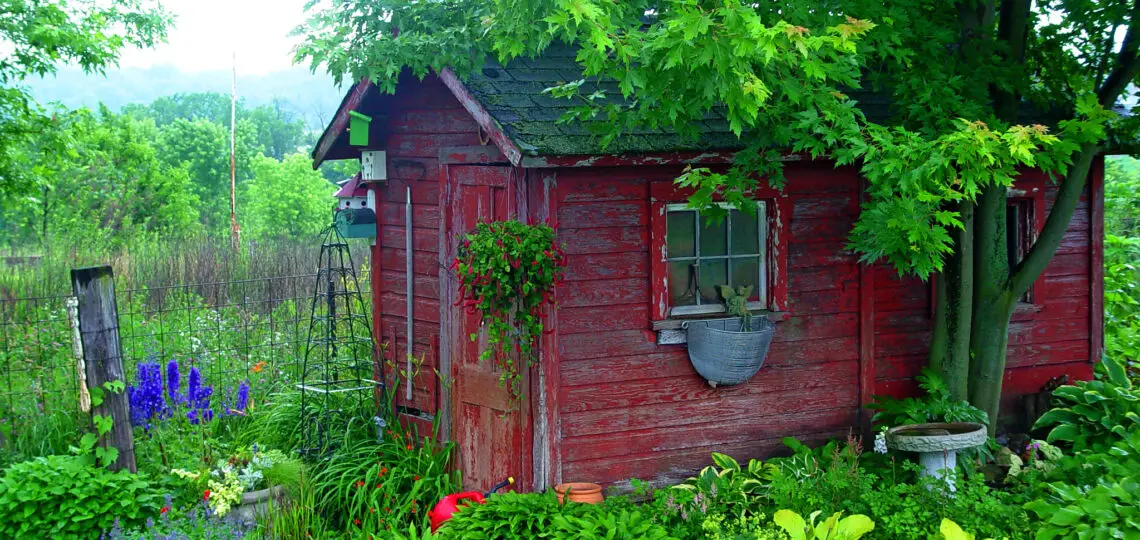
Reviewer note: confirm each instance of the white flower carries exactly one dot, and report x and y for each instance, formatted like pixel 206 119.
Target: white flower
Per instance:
pixel 881 443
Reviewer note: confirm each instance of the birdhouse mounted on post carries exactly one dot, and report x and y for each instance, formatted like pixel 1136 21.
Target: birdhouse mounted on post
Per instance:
pixel 358 128
pixel 355 210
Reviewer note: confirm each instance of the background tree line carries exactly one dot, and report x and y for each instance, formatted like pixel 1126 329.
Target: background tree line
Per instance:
pixel 164 168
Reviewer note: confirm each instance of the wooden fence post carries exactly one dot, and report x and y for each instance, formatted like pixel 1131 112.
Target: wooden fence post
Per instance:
pixel 94 288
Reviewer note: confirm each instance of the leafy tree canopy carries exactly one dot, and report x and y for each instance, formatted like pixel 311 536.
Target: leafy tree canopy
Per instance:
pixel 287 198
pixel 963 77
pixel 38 36
pixel 782 72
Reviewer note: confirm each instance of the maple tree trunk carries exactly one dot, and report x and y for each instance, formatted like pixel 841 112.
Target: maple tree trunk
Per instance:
pixel 953 310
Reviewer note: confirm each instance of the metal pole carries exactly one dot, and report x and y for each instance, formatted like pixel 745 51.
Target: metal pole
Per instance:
pixel 235 229
pixel 410 279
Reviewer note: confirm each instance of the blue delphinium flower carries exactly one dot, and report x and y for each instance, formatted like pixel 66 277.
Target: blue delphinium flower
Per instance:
pixel 173 381
pixel 242 396
pixel 198 398
pixel 146 398
pixel 193 386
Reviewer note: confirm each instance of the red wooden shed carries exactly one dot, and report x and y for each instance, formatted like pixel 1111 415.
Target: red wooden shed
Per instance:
pixel 614 395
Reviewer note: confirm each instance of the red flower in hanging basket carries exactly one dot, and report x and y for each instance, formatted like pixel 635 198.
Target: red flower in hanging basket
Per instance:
pixel 378 486
pixel 206 495
pixel 164 510
pixel 409 447
pixel 383 471
pixel 360 483
pixel 356 522
pixel 416 478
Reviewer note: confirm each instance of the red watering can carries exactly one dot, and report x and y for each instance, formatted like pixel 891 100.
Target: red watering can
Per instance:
pixel 452 503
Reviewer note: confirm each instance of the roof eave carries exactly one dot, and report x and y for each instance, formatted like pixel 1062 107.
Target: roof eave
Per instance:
pixel 486 122
pixel 328 138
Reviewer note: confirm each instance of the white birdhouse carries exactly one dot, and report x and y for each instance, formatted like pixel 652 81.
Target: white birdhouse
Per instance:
pixel 354 194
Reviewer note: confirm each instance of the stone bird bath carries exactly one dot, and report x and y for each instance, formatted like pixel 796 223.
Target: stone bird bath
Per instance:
pixel 937 445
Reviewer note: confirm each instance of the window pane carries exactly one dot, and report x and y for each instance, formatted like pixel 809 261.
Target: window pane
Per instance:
pixel 681 234
pixel 714 238
pixel 713 273
pixel 745 273
pixel 680 281
pixel 1013 234
pixel 745 233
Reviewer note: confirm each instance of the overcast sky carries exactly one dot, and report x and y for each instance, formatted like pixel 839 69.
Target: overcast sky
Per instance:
pixel 206 33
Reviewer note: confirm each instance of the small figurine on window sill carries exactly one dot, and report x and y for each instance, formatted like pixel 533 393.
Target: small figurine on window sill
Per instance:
pixel 736 304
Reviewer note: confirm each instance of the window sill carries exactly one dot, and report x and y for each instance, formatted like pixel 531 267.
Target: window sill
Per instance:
pixel 670 332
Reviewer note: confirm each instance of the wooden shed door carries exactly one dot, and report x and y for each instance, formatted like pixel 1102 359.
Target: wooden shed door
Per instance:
pixel 489 431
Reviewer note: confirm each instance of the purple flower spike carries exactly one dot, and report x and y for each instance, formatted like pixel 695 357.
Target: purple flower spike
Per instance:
pixel 173 381
pixel 146 398
pixel 242 397
pixel 193 386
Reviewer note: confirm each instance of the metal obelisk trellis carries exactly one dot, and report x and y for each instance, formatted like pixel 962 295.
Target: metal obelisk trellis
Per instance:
pixel 338 378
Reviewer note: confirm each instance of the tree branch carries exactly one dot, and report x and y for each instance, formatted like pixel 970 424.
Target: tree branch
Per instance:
pixel 1055 225
pixel 1126 64
pixel 1013 27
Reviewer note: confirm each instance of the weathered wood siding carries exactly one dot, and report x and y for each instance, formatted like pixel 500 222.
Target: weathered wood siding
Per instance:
pixel 417 122
pixel 630 408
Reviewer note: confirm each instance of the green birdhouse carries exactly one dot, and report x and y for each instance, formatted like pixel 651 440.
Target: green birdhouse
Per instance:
pixel 358 128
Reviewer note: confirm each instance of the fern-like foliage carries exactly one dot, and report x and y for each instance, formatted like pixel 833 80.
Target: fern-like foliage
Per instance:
pixel 936 406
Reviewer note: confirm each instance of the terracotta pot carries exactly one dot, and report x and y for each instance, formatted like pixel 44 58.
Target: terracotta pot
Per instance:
pixel 582 492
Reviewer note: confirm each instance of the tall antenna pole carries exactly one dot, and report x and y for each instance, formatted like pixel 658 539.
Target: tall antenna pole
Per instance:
pixel 235 229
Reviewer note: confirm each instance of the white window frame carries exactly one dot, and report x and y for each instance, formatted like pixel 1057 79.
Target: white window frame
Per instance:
pixel 762 254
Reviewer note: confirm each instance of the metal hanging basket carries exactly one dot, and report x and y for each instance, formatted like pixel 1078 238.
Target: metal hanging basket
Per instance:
pixel 726 352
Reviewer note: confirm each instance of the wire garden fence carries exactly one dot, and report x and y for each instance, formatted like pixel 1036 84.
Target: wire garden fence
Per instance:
pixel 252 331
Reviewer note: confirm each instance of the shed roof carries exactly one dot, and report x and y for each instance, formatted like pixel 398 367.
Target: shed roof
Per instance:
pixel 513 95
pixel 511 98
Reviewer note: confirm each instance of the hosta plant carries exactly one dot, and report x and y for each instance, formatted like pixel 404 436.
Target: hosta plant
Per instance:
pixel 835 527
pixel 1094 415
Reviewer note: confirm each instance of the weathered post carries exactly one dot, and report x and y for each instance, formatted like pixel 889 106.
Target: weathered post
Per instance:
pixel 94 288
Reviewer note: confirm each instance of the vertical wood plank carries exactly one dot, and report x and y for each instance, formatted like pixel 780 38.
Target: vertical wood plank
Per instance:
pixel 447 297
pixel 866 343
pixel 866 335
pixel 658 260
pixel 94 288
pixel 780 225
pixel 377 306
pixel 1096 262
pixel 547 444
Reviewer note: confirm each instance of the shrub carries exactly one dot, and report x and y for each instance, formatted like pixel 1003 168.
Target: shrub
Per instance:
pixel 64 497
pixel 510 515
pixel 915 510
pixel 827 478
pixel 515 515
pixel 1103 504
pixel 195 523
pixel 1094 415
pixel 723 489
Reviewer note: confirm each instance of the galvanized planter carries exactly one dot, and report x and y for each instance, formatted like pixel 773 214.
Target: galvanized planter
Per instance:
pixel 724 354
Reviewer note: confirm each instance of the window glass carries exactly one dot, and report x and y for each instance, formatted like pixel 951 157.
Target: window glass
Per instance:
pixel 682 283
pixel 714 238
pixel 704 256
pixel 745 233
pixel 745 273
pixel 682 234
pixel 714 272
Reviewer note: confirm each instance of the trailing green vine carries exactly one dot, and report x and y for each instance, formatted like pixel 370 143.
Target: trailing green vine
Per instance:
pixel 507 272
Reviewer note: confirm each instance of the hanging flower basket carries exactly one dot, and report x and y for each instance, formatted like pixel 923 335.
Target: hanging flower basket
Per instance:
pixel 726 351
